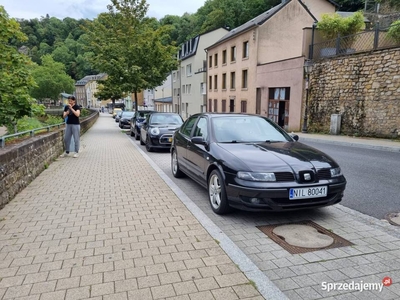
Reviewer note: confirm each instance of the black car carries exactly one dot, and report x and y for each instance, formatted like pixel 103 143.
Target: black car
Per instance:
pixel 250 162
pixel 125 119
pixel 137 120
pixel 157 130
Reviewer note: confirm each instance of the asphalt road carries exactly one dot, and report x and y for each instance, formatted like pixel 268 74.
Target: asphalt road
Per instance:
pixel 373 186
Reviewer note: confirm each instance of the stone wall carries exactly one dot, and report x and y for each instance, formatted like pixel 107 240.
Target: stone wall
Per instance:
pixel 21 163
pixel 363 88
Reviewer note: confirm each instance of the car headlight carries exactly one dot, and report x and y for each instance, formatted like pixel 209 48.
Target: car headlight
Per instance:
pixel 155 131
pixel 335 172
pixel 252 176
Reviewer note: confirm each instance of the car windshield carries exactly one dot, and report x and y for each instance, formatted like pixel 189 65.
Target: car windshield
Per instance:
pixel 127 114
pixel 160 118
pixel 246 129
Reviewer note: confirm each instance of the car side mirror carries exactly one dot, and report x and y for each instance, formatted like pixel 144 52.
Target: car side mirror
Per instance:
pixel 295 137
pixel 198 140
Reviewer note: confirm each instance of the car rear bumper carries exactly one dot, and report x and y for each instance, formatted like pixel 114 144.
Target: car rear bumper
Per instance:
pixel 277 199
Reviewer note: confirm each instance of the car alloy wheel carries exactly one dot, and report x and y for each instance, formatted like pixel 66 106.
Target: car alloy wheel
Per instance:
pixel 176 171
pixel 217 193
pixel 148 147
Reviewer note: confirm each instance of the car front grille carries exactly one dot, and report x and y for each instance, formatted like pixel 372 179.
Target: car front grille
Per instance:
pixel 324 174
pixel 165 139
pixel 284 176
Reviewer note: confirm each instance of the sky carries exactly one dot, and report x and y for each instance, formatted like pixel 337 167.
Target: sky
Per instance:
pixel 82 9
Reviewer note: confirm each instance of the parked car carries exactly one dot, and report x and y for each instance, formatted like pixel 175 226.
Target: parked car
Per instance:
pixel 158 128
pixel 249 162
pixel 137 120
pixel 115 112
pixel 118 115
pixel 125 119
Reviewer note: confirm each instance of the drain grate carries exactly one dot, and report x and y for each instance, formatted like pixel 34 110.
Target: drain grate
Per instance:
pixel 337 240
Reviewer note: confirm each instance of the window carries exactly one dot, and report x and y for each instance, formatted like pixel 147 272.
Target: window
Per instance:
pixel 224 57
pixel 189 70
pixel 203 88
pixel 233 53
pixel 201 128
pixel 244 79
pixel 210 61
pixel 187 128
pixel 215 105
pixel 210 82
pixel 183 89
pixel 243 106
pixel 223 106
pixel 215 82
pixel 231 105
pixel 233 80
pixel 188 88
pixel 224 81
pixel 216 60
pixel 279 93
pixel 209 105
pixel 245 49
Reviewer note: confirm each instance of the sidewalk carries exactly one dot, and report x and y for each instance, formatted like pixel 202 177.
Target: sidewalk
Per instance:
pixel 110 225
pixel 371 143
pixel 104 226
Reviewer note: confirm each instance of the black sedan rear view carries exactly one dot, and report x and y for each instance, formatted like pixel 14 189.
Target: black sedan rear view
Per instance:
pixel 249 162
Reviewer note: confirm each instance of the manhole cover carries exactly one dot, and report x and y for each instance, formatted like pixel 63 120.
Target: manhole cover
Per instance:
pixel 393 218
pixel 304 236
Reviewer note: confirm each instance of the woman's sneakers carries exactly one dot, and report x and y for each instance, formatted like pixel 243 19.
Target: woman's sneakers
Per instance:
pixel 76 155
pixel 65 154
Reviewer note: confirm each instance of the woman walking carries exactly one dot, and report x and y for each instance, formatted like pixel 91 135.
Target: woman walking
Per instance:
pixel 71 113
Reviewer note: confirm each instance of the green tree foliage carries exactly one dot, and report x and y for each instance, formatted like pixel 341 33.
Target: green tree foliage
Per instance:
pixel 332 25
pixel 394 31
pixel 51 80
pixel 350 5
pixel 132 49
pixel 15 77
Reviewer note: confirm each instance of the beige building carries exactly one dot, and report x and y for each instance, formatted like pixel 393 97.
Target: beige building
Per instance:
pixel 86 88
pixel 258 66
pixel 189 81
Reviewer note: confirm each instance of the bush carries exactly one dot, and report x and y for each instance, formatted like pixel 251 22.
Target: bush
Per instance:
pixel 394 31
pixel 333 25
pixel 25 124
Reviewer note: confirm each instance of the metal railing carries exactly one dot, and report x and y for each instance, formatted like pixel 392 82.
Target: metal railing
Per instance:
pixel 376 39
pixel 30 132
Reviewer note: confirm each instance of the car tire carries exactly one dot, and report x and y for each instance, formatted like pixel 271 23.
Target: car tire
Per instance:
pixel 148 147
pixel 141 142
pixel 137 135
pixel 176 171
pixel 132 133
pixel 217 193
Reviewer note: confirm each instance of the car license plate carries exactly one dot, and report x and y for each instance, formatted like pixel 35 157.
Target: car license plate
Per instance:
pixel 310 192
pixel 170 140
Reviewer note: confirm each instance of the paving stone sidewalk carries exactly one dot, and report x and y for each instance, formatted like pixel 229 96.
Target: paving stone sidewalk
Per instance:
pixel 105 226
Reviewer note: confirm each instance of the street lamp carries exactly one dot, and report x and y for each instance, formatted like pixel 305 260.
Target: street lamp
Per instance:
pixel 308 66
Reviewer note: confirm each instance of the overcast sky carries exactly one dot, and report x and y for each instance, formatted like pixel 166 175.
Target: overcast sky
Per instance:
pixel 82 9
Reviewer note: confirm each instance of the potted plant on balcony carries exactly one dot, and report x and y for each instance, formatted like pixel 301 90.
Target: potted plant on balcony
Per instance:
pixel 333 26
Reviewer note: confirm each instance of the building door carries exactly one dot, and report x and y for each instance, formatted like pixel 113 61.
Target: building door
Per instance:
pixel 278 106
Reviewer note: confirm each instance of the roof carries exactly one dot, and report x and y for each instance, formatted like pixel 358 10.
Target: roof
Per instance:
pixel 189 47
pixel 259 20
pixel 164 100
pixel 88 78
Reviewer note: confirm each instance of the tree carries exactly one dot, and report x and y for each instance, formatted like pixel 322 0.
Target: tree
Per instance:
pixel 131 48
pixel 15 77
pixel 51 80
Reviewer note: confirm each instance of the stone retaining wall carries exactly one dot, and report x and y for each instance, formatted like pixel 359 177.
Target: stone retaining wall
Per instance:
pixel 363 88
pixel 21 163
